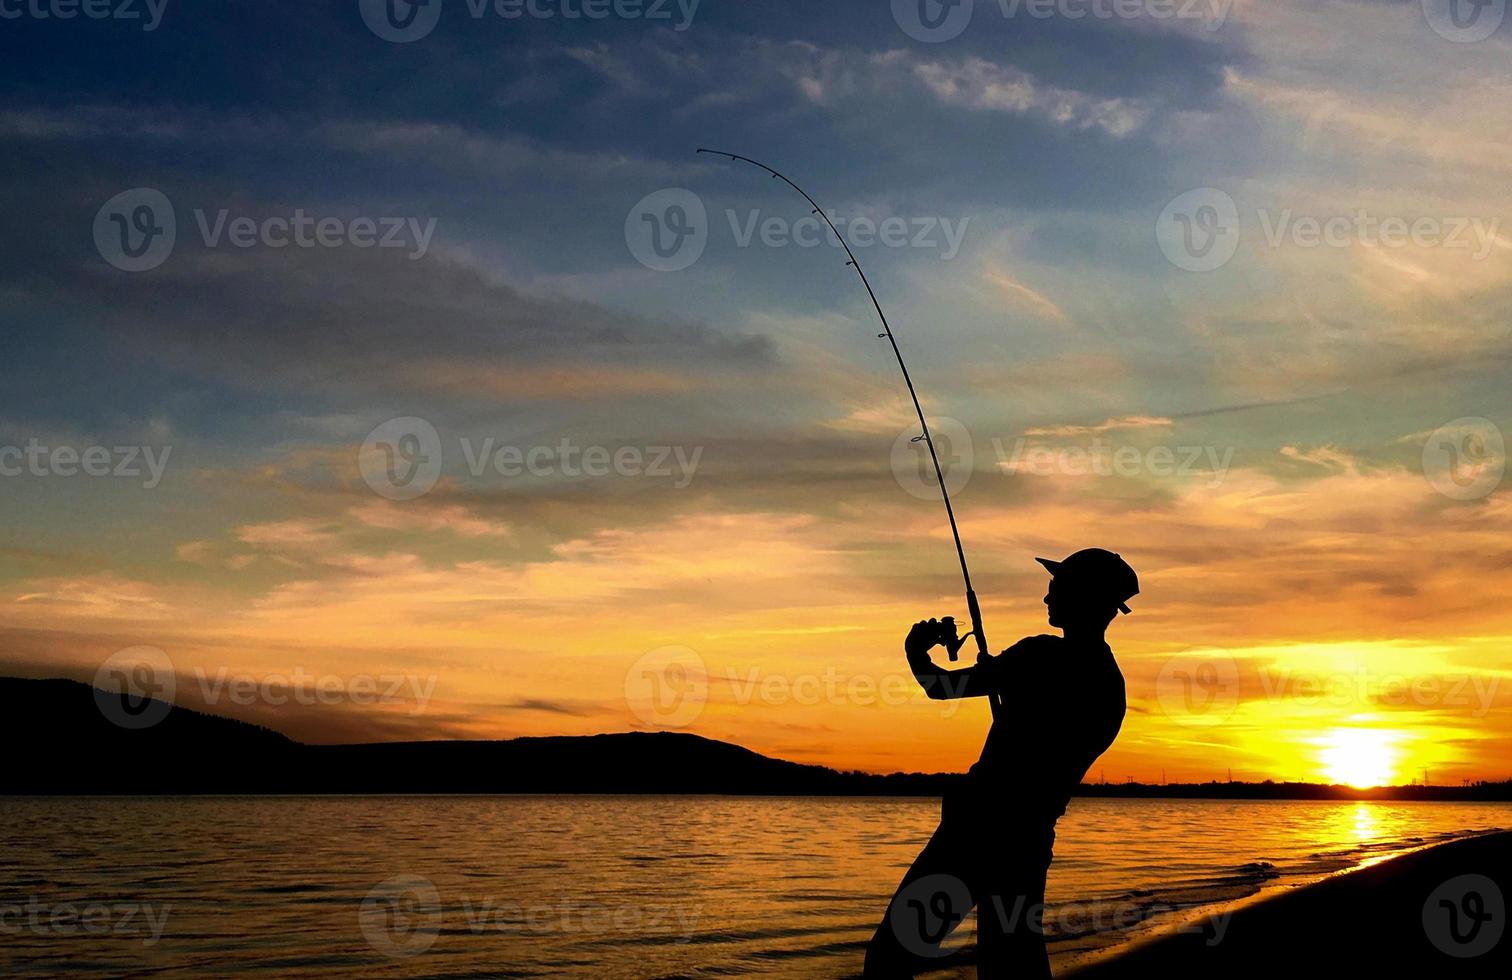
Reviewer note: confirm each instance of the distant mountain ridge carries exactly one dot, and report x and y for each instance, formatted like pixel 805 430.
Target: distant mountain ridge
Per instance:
pixel 65 744
pixel 61 742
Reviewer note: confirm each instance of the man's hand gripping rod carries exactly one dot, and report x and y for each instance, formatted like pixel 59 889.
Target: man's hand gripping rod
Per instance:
pixel 971 600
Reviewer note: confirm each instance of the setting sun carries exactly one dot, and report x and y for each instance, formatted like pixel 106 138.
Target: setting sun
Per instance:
pixel 1360 756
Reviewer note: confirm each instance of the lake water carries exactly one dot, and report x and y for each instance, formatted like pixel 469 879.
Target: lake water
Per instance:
pixel 602 886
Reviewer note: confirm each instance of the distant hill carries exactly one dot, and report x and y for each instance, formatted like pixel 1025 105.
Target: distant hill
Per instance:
pixel 59 741
pixel 64 743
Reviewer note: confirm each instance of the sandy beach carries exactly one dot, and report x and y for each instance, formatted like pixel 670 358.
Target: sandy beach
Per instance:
pixel 1439 911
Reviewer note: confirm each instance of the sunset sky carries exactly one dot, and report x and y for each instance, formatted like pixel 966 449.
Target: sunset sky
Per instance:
pixel 1308 437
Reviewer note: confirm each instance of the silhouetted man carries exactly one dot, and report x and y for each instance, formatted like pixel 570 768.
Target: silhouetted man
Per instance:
pixel 1058 703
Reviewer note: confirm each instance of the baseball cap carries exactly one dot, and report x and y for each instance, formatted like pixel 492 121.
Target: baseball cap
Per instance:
pixel 1100 572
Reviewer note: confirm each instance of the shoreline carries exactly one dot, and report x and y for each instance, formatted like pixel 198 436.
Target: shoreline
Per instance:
pixel 1383 914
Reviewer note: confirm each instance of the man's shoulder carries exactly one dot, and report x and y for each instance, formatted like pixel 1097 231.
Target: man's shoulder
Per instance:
pixel 1032 653
pixel 1035 644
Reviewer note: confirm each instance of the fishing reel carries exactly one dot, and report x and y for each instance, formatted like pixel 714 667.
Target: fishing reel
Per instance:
pixel 949 637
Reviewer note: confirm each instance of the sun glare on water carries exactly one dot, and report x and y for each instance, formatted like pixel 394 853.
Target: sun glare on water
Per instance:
pixel 1359 756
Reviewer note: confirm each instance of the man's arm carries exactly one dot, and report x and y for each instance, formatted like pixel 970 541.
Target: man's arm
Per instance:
pixel 938 683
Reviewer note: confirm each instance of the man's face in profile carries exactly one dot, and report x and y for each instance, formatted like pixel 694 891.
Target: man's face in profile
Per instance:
pixel 1069 606
pixel 1055 601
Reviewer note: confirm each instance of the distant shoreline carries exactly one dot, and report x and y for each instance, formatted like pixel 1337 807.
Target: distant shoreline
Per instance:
pixel 75 740
pixel 8 792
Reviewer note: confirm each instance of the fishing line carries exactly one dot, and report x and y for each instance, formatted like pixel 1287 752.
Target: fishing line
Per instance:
pixel 971 600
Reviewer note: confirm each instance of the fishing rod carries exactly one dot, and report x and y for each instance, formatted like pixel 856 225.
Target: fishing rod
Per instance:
pixel 972 607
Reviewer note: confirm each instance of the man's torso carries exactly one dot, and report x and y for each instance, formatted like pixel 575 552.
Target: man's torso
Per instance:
pixel 1062 706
